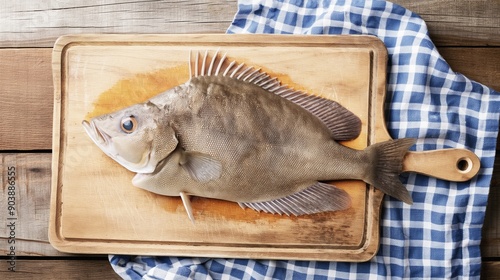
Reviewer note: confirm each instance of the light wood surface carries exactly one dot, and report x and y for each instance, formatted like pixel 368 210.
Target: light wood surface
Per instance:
pixel 466 32
pixel 25 86
pixel 40 23
pixel 84 269
pixel 32 178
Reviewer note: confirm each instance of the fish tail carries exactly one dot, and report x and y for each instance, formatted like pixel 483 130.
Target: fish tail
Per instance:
pixel 386 159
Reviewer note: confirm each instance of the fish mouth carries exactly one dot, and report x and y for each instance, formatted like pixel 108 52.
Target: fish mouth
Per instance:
pixel 105 142
pixel 100 137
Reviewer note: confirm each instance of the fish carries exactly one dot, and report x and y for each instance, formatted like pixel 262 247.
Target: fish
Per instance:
pixel 233 132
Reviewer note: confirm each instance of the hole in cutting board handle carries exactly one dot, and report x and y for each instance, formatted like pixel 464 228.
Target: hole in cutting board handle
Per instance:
pixel 464 165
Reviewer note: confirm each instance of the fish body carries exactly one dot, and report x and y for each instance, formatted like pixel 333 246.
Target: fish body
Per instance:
pixel 236 134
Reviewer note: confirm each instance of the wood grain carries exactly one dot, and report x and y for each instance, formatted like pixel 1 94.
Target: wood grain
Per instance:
pixel 479 64
pixel 490 243
pixel 26 92
pixel 60 269
pixel 40 23
pixel 100 269
pixel 32 204
pixel 459 23
pixel 490 270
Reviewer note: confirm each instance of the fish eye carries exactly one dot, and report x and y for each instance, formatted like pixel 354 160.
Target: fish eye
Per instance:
pixel 128 124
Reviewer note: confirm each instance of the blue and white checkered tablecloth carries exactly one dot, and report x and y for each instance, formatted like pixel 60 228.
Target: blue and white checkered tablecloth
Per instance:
pixel 436 237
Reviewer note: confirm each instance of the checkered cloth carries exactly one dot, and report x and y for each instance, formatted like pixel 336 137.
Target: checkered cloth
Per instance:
pixel 436 237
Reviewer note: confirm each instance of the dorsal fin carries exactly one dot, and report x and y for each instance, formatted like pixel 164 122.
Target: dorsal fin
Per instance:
pixel 342 123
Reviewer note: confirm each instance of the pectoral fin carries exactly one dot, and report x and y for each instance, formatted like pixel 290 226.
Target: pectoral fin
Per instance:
pixel 187 205
pixel 201 167
pixel 317 198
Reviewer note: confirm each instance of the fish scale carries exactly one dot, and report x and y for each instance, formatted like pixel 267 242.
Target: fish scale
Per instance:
pixel 233 132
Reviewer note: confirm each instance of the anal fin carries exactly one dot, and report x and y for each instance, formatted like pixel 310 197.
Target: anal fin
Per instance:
pixel 319 197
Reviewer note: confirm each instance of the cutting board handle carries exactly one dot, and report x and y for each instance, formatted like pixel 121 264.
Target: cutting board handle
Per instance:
pixel 456 165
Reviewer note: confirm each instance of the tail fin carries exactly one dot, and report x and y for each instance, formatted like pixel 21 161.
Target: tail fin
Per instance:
pixel 387 162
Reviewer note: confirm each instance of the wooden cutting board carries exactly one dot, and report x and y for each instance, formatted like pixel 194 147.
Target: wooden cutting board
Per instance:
pixel 96 209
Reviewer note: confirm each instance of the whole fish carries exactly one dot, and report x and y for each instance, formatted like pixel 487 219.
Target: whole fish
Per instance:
pixel 234 133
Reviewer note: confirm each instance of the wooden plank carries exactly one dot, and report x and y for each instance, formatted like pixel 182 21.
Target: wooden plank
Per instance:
pixel 26 87
pixel 60 269
pixel 490 243
pixel 40 23
pixel 27 224
pixel 490 270
pixel 459 23
pixel 479 64
pixel 101 269
pixel 32 231
pixel 26 99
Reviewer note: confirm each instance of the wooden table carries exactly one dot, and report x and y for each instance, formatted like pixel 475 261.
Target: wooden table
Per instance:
pixel 467 34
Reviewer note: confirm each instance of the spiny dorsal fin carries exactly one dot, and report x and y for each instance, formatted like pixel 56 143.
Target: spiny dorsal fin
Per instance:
pixel 342 123
pixel 213 65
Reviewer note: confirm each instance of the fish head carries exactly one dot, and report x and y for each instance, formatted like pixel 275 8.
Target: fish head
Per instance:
pixel 134 137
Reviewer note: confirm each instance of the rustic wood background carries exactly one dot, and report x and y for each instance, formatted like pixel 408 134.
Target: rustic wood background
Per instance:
pixel 467 34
